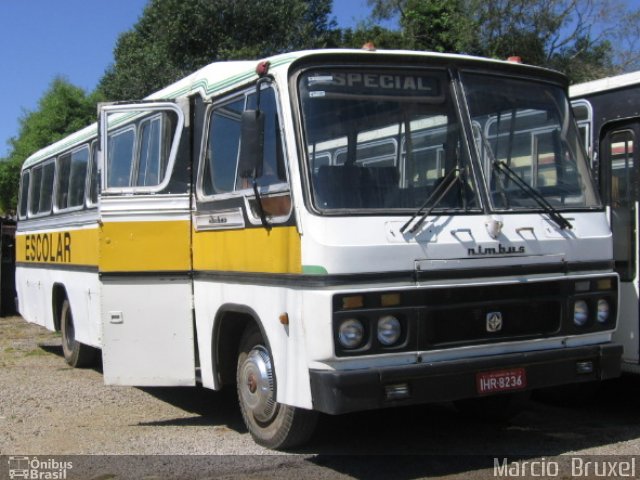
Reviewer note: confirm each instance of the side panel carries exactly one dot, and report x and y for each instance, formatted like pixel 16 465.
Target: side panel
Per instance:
pixel 251 250
pixel 148 333
pixel 288 343
pixel 35 299
pixel 146 297
pixel 67 259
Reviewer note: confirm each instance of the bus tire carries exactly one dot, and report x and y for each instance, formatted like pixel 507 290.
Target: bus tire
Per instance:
pixel 75 353
pixel 271 424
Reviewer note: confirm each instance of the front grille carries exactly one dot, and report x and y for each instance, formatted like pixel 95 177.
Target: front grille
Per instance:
pixel 469 323
pixel 458 316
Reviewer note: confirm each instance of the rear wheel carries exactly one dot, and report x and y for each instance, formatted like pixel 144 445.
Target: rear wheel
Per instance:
pixel 76 354
pixel 271 424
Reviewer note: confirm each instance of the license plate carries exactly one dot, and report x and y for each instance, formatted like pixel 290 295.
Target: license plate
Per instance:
pixel 501 380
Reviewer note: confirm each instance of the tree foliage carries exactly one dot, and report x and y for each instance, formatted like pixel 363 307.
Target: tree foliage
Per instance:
pixel 63 109
pixel 585 39
pixel 174 38
pixel 582 38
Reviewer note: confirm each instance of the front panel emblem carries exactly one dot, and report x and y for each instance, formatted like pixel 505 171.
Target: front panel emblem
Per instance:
pixel 494 322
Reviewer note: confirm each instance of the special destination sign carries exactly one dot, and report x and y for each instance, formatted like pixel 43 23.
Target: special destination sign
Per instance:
pixel 375 83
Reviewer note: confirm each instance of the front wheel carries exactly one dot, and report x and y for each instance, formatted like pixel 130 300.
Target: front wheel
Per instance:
pixel 76 354
pixel 271 424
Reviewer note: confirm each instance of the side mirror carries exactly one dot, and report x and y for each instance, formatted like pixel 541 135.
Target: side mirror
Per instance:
pixel 251 144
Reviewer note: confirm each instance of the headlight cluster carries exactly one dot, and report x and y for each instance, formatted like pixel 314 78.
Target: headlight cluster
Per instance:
pixel 353 333
pixel 584 311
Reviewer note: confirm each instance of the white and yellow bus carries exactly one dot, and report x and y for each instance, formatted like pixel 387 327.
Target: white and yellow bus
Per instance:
pixel 329 231
pixel 608 115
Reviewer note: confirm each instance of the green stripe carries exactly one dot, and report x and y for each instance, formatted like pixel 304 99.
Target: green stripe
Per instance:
pixel 202 83
pixel 314 270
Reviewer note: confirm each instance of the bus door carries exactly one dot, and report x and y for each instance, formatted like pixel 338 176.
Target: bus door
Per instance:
pixel 619 185
pixel 145 234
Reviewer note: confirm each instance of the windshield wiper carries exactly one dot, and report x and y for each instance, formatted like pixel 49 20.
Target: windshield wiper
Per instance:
pixel 555 215
pixel 448 181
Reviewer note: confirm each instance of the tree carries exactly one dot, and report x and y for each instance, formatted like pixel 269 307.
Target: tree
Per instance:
pixel 173 38
pixel 63 109
pixel 437 25
pixel 582 38
pixel 365 33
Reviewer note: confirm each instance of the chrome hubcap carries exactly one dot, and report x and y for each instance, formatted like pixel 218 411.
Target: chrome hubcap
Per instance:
pixel 256 384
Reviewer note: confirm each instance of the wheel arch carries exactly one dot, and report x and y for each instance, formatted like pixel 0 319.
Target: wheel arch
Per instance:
pixel 58 296
pixel 230 322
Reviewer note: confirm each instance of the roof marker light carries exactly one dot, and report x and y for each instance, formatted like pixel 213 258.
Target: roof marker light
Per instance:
pixel 263 68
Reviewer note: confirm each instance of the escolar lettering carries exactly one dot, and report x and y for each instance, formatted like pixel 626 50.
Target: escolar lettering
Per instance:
pixel 48 247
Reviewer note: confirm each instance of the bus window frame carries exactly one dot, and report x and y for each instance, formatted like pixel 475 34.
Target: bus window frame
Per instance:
pixel 24 202
pixel 588 123
pixel 113 134
pixel 139 112
pixel 147 121
pixel 93 152
pixel 82 205
pixel 246 195
pixel 41 165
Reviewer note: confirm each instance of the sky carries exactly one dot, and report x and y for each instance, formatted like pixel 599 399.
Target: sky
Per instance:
pixel 74 39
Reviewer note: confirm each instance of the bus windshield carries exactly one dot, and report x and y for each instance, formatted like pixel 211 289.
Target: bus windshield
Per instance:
pixel 526 140
pixel 378 139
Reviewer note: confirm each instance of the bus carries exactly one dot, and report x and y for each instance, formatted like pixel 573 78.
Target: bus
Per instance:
pixel 608 116
pixel 327 231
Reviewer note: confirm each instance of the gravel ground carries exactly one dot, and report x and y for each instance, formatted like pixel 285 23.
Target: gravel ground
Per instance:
pixel 49 409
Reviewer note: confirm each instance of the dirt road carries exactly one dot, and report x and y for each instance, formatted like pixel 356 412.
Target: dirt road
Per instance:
pixel 49 410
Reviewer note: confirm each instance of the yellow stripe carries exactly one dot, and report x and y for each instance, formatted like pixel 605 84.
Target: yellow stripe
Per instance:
pixel 145 246
pixel 164 246
pixel 66 247
pixel 248 250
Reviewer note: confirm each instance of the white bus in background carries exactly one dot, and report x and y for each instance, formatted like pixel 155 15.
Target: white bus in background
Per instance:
pixel 608 115
pixel 327 231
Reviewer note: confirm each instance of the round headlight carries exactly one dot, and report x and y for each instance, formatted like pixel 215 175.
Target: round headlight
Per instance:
pixel 580 312
pixel 388 330
pixel 351 333
pixel 603 311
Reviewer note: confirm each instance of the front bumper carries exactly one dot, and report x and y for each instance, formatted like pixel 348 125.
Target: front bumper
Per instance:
pixel 337 392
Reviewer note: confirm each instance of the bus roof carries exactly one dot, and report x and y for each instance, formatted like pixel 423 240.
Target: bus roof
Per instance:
pixel 603 84
pixel 219 77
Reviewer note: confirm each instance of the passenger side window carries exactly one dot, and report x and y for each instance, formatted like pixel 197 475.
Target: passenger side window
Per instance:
pixel 24 194
pixel 273 169
pixel 224 146
pixel 219 174
pixel 41 188
pixel 153 153
pixel 138 156
pixel 120 159
pixel 72 172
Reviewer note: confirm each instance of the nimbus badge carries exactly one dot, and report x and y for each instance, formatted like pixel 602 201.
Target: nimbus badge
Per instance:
pixel 481 251
pixel 48 247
